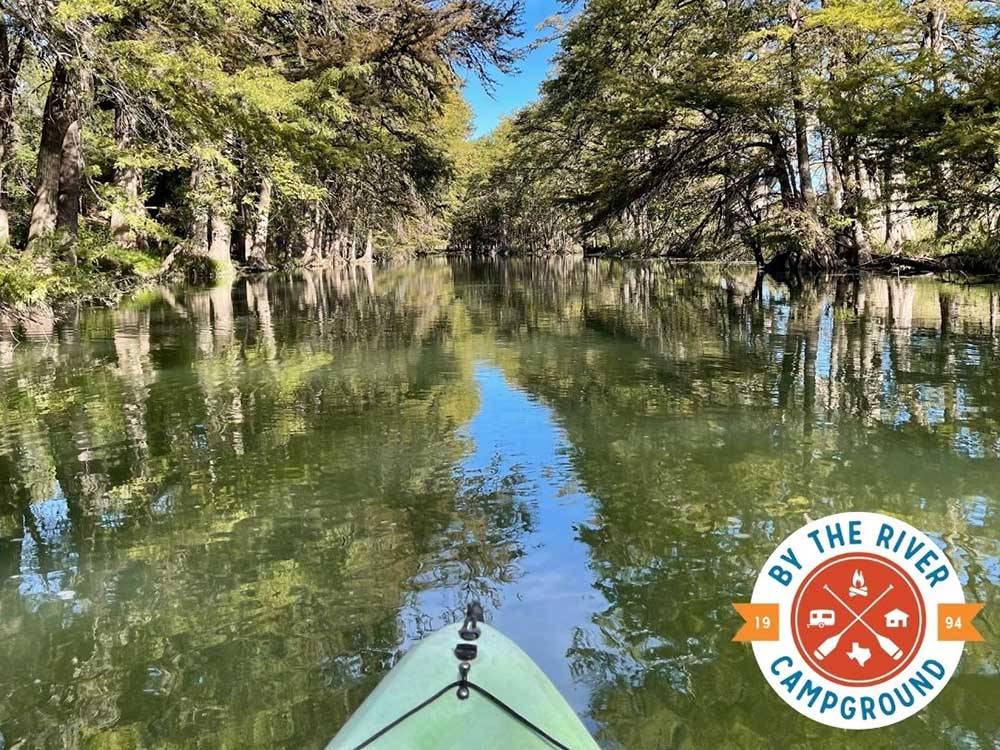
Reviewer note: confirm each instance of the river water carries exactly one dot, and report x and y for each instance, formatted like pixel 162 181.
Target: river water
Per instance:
pixel 225 513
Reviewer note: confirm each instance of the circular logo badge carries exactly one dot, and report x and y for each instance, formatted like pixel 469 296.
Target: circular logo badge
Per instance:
pixel 858 620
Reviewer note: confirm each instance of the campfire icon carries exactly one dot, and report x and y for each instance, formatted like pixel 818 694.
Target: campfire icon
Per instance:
pixel 858 585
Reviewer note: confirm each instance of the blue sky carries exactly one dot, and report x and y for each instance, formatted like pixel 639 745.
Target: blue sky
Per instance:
pixel 511 92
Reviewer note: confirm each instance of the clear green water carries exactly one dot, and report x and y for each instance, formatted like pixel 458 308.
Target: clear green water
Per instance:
pixel 224 514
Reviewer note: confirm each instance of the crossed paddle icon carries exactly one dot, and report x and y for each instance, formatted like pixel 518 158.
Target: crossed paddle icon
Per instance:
pixel 886 644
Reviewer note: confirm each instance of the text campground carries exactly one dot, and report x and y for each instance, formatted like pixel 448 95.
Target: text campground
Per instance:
pixel 924 681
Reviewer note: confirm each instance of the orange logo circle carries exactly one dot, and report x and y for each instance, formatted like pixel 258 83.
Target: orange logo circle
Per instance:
pixel 858 619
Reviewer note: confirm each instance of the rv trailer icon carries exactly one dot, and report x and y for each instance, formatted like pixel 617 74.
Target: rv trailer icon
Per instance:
pixel 820 618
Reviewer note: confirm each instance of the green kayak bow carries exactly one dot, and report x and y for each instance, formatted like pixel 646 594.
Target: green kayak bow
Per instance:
pixel 464 687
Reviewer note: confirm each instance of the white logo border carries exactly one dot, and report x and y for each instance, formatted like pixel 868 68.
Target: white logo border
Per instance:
pixel 767 589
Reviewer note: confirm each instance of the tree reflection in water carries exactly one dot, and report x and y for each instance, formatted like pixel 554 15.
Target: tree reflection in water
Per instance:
pixel 224 512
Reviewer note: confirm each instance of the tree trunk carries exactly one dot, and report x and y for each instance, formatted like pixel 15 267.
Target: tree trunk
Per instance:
pixel 308 243
pixel 369 250
pixel 855 248
pixel 933 42
pixel 806 190
pixel 834 189
pixel 898 212
pixel 871 194
pixel 312 236
pixel 61 106
pixel 888 197
pixel 10 66
pixel 128 209
pixel 258 251
pixel 780 156
pixel 323 242
pixel 861 247
pixel 934 36
pixel 199 210
pixel 222 229
pixel 341 243
pixel 246 236
pixel 4 216
pixel 68 203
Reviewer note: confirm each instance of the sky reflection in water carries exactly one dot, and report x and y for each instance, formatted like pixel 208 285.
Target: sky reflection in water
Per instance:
pixel 225 513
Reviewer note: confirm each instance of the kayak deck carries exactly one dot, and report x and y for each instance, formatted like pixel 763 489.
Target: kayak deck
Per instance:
pixel 510 702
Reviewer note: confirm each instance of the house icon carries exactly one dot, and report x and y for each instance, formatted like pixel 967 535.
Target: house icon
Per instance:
pixel 896 618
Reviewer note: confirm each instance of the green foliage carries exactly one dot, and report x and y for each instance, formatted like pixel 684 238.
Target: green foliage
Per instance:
pixel 508 202
pixel 197 269
pixel 673 127
pixel 20 281
pixel 104 272
pixel 352 114
pixel 99 254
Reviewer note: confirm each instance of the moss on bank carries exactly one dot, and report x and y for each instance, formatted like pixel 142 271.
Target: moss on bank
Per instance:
pixel 103 272
pixel 38 280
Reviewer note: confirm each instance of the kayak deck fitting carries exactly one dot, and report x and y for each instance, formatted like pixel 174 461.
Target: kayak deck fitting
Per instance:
pixel 462 687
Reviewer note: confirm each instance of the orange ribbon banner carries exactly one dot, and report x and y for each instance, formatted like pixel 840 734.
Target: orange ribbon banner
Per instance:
pixel 955 622
pixel 761 622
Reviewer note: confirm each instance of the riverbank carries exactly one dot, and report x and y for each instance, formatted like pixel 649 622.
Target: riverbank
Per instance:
pixel 104 274
pixel 35 286
pixel 31 283
pixel 972 264
pixel 969 265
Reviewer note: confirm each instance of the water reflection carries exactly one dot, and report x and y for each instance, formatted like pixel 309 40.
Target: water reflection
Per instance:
pixel 225 512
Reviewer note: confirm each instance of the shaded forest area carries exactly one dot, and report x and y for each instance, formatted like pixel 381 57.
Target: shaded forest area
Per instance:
pixel 137 135
pixel 804 134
